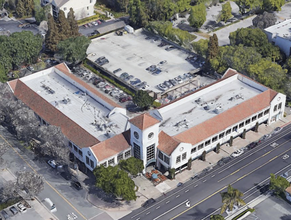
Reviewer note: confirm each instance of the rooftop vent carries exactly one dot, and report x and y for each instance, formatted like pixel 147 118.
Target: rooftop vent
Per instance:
pixel 48 89
pixel 218 109
pixel 66 100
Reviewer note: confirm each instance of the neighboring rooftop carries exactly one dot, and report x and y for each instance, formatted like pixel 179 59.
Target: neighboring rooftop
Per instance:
pixel 144 121
pixel 77 101
pixel 208 103
pixel 133 53
pixel 110 27
pixel 282 29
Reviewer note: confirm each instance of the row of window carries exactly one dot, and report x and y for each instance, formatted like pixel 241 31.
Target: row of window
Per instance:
pixel 278 107
pixel 90 162
pixel 119 157
pixel 233 129
pixel 164 158
pixel 72 146
pixel 178 158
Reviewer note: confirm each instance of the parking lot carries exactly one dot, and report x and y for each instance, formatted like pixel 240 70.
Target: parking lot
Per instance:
pixel 143 60
pixel 12 26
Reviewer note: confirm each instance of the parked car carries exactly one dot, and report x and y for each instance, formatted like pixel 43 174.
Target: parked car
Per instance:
pixel 13 210
pixel 21 207
pixel 180 184
pixel 278 129
pixel 94 23
pixel 148 203
pixel 252 145
pixel 174 82
pixel 5 214
pixel 117 70
pixel 168 84
pixel 77 185
pixel 125 99
pixel 178 79
pixel 169 48
pixel 162 87
pixel 52 163
pixel 237 153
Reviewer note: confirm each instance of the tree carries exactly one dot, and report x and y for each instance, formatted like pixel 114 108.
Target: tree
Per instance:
pixel 142 99
pixel 231 141
pixel 73 50
pixel 213 48
pixel 273 5
pixel 115 181
pixel 172 173
pixel 31 182
pixel 20 9
pixel 52 35
pixel 225 12
pixel 256 127
pixel 3 149
pixel 189 164
pixel 197 15
pixel 74 28
pixel 248 5
pixel 40 13
pixel 288 64
pixel 244 134
pixel 64 30
pixel 265 20
pixel 278 184
pixel 230 198
pixel 2 4
pixel 201 47
pixel 203 156
pixel 8 192
pixel 217 149
pixel 216 217
pixel 133 165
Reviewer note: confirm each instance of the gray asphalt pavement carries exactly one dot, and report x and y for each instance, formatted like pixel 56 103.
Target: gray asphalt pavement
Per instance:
pixel 245 173
pixel 67 199
pixel 12 26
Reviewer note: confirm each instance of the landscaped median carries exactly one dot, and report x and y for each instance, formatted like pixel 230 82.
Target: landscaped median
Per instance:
pixel 243 214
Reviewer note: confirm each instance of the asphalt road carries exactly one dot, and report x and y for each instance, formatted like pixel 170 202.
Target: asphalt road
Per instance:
pixel 67 199
pixel 248 173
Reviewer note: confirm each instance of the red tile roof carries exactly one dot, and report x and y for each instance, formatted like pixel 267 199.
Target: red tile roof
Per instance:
pixel 167 144
pixel 12 84
pixel 63 68
pixel 112 146
pixel 226 119
pixel 144 121
pixel 53 116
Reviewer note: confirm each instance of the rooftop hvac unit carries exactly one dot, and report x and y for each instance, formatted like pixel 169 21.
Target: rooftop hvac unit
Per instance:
pixel 218 109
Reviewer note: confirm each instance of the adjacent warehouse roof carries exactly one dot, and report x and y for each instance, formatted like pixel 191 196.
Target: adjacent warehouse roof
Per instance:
pixel 111 27
pixel 281 29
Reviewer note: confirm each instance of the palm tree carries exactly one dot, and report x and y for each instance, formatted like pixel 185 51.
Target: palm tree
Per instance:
pixel 230 198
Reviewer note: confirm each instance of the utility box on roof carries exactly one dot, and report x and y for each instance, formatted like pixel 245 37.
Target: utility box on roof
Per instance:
pixel 129 29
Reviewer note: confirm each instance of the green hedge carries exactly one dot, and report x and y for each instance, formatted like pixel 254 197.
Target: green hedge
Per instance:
pixel 9 203
pixel 156 104
pixel 244 212
pixel 112 81
pixel 86 20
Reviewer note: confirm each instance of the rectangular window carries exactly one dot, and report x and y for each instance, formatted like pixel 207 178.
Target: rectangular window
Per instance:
pixel 214 139
pixel 234 128
pixel 119 157
pixel 254 118
pixel 221 135
pixel 260 115
pixel 184 156
pixel 241 125
pixel 280 106
pixel 104 164
pixel 80 153
pixel 75 148
pixel 266 112
pixel 178 159
pixel 111 162
pixel 87 160
pixel 88 8
pixel 136 151
pixel 248 121
pixel 200 146
pixel 127 154
pixel 275 108
pixel 161 155
pixel 151 152
pixel 166 159
pixel 193 150
pixel 90 1
pixel 228 132
pixel 92 164
pixel 207 143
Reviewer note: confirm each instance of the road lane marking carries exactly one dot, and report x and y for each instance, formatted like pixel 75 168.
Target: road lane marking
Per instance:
pixel 44 179
pixel 177 196
pixel 167 202
pixel 204 181
pixel 158 207
pixel 228 184
pixel 196 185
pixel 213 175
pixel 251 162
pixel 148 213
pixel 182 203
pixel 187 190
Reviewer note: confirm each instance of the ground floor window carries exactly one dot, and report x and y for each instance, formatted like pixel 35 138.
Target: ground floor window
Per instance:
pixel 111 161
pixel 127 154
pixel 119 157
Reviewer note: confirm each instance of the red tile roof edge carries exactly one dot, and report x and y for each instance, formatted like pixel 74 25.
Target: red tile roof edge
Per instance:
pixel 144 121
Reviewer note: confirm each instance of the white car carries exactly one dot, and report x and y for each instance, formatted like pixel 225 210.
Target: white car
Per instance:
pixel 54 165
pixel 278 129
pixel 237 153
pixel 21 207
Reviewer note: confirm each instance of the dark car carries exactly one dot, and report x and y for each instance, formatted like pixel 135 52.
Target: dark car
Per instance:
pixel 77 185
pixel 13 210
pixel 5 214
pixel 148 203
pixel 252 145
pixel 117 70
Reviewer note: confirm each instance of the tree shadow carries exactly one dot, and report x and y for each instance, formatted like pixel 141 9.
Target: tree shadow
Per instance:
pixel 199 214
pixel 285 217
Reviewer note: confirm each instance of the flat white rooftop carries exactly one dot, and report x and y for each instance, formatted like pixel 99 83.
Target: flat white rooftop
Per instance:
pixel 133 54
pixel 79 107
pixel 282 29
pixel 205 104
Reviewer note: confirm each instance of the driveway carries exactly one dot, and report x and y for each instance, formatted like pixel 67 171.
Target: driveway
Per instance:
pixel 12 26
